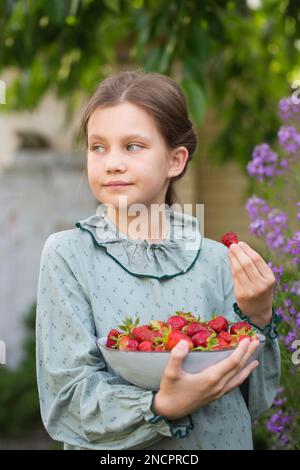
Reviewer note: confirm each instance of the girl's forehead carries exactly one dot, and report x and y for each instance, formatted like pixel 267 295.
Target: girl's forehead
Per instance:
pixel 122 119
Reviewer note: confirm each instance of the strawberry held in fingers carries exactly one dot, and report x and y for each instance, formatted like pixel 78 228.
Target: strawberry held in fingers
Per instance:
pixel 228 238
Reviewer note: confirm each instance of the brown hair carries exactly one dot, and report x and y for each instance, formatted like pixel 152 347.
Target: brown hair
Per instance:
pixel 158 95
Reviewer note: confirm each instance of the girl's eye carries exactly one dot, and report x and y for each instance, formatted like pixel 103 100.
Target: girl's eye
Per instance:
pixel 134 145
pixel 95 147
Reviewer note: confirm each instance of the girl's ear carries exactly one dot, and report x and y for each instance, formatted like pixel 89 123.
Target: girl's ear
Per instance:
pixel 178 159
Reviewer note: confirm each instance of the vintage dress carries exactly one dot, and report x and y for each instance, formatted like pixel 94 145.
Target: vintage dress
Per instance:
pixel 90 278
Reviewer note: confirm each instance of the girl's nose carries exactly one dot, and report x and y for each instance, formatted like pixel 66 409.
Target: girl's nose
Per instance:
pixel 115 162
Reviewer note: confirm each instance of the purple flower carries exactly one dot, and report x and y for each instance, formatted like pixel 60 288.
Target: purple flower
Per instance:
pixel 287 302
pixel 281 313
pixel 288 108
pixel 279 401
pixel 277 218
pixel 298 214
pixel 290 337
pixel 289 138
pixel 293 247
pixel 264 163
pixel 277 222
pixel 277 271
pixel 295 288
pixel 298 320
pixel 256 207
pixel 284 440
pixel 258 227
pixel 277 422
pixel 275 239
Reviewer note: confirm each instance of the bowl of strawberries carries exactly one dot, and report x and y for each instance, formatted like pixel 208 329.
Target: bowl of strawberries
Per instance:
pixel 139 353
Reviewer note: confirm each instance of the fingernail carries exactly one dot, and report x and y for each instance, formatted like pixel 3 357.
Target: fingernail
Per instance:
pixel 183 344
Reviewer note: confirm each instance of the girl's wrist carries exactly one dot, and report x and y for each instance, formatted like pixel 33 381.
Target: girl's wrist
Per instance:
pixel 158 407
pixel 161 408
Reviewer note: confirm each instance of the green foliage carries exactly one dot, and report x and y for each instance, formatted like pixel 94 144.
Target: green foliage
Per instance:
pixel 228 57
pixel 19 403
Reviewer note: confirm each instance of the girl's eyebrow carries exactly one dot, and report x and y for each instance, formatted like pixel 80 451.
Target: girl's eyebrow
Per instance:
pixel 125 137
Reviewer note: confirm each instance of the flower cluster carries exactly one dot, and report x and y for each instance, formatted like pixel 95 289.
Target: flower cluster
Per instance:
pixel 289 139
pixel 274 213
pixel 265 163
pixel 271 223
pixel 281 422
pixel 288 109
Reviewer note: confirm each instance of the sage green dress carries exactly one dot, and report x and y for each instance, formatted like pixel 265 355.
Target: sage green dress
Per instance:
pixel 92 277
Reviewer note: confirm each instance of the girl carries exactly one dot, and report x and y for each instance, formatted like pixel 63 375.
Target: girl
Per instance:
pixel 138 132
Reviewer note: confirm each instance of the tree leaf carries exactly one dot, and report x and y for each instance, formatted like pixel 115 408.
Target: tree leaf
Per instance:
pixel 195 98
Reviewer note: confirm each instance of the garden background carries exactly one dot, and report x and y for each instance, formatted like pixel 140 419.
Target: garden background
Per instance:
pixel 239 66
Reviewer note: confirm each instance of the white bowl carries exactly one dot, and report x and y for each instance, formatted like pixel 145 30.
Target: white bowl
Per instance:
pixel 145 369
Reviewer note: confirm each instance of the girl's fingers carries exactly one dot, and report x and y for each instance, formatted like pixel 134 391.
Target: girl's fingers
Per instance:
pixel 238 272
pixel 243 263
pixel 243 362
pixel 240 377
pixel 173 369
pixel 231 363
pixel 234 268
pixel 261 265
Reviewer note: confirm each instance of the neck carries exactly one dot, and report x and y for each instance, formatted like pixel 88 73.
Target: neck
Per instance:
pixel 150 224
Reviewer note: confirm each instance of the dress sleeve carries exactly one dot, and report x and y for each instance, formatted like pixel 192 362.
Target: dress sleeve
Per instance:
pixel 260 388
pixel 82 404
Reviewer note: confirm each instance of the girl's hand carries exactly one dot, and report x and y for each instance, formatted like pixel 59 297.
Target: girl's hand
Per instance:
pixel 182 393
pixel 253 281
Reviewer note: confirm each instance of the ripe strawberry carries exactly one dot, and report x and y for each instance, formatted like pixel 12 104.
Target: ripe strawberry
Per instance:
pixel 156 324
pixel 142 333
pixel 187 316
pixel 218 324
pixel 240 328
pixel 228 238
pixel 226 336
pixel 126 343
pixel 156 335
pixel 112 337
pixel 192 328
pixel 176 322
pixel 146 346
pixel 171 338
pixel 201 338
pixel 240 337
pixel 159 348
pixel 219 343
pixel 250 336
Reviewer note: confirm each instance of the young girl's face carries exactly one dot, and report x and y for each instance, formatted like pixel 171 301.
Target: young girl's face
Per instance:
pixel 124 144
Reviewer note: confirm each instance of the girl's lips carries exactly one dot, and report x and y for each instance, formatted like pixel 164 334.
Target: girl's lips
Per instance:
pixel 118 186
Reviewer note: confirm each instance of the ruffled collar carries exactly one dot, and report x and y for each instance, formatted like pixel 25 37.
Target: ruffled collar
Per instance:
pixel 174 255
